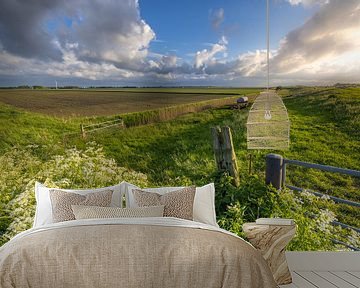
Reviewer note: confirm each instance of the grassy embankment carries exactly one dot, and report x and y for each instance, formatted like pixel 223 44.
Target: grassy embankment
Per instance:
pixel 325 129
pixel 21 127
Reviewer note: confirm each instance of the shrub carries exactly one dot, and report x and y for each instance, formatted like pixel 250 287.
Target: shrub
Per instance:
pixel 253 199
pixel 18 167
pixel 88 168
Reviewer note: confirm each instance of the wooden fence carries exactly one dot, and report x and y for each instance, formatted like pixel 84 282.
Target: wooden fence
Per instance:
pixel 225 156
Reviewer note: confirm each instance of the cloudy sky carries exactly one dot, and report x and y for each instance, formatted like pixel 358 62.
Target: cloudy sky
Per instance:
pixel 179 42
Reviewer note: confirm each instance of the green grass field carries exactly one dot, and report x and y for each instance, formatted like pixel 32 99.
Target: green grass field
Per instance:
pixel 325 129
pixel 179 151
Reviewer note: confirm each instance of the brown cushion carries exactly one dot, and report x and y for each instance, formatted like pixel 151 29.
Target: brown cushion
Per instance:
pixel 177 204
pixel 94 212
pixel 61 202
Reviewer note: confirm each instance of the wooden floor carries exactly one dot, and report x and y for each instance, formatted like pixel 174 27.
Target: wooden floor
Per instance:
pixel 324 269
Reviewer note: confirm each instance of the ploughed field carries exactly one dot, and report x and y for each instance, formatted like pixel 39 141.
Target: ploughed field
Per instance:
pixel 104 102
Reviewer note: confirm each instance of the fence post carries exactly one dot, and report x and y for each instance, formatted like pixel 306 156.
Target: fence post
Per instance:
pixel 82 131
pixel 225 156
pixel 274 170
pixel 283 175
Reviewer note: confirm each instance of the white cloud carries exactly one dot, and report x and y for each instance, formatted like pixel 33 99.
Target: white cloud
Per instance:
pixel 329 36
pixel 100 31
pixel 120 36
pixel 251 64
pixel 70 67
pixel 217 17
pixel 205 56
pixel 223 41
pixel 164 64
pixel 325 49
pixel 308 2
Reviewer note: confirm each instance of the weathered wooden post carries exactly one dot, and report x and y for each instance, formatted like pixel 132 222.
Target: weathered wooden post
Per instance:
pixel 274 170
pixel 250 164
pixel 225 156
pixel 82 131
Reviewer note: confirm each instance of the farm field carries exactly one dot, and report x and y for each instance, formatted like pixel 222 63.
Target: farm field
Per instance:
pixel 325 129
pixel 101 102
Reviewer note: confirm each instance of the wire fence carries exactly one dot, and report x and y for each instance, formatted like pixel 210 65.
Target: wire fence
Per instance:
pixel 86 129
pixel 276 175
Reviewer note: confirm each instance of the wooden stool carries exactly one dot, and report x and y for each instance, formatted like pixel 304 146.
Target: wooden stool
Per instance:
pixel 271 240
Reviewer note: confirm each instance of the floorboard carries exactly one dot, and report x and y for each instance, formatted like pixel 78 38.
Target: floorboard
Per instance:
pixel 337 281
pixel 324 269
pixel 347 277
pixel 316 280
pixel 355 273
pixel 301 281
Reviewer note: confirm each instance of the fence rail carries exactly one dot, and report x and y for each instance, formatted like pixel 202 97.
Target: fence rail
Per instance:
pixel 344 244
pixel 345 226
pixel 276 175
pixel 335 199
pixel 327 168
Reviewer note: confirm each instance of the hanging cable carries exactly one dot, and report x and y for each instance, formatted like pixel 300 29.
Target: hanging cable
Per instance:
pixel 268 42
pixel 268 125
pixel 267 115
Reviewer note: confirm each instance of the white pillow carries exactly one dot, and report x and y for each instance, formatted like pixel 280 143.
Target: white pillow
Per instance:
pixel 43 213
pixel 204 202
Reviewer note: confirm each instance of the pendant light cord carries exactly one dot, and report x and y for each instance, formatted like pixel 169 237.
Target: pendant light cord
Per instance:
pixel 268 42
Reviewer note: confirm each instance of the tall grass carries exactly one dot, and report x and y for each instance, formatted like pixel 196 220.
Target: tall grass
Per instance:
pixel 169 113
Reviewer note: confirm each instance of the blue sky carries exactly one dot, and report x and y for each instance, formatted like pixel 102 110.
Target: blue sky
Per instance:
pixel 170 43
pixel 184 25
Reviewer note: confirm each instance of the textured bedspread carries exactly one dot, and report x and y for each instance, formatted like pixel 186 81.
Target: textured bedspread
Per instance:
pixel 155 252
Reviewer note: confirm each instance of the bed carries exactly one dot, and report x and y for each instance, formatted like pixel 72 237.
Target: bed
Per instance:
pixel 131 252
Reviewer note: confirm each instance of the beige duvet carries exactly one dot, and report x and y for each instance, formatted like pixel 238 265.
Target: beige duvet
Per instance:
pixel 152 252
